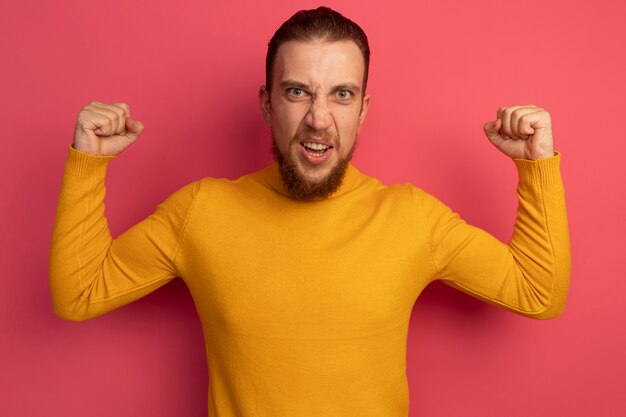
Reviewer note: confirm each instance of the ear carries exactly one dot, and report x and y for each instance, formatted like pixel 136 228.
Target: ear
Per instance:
pixel 364 107
pixel 265 104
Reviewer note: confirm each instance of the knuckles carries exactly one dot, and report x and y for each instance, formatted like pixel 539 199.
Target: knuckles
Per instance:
pixel 514 118
pixel 513 112
pixel 120 110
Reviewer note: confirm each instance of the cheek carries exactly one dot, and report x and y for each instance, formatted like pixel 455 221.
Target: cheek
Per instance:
pixel 282 132
pixel 287 121
pixel 347 125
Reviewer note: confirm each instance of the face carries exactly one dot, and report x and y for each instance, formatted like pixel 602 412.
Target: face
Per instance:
pixel 315 111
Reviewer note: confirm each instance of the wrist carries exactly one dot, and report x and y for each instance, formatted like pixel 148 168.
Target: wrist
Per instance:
pixel 83 164
pixel 542 155
pixel 85 149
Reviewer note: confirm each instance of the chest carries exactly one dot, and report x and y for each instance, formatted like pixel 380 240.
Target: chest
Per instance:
pixel 352 271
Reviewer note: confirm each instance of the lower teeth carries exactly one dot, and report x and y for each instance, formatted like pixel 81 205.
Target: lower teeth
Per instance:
pixel 315 153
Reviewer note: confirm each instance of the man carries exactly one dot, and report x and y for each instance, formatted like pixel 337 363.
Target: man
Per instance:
pixel 304 274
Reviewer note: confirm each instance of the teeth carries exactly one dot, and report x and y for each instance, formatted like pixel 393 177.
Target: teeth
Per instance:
pixel 316 146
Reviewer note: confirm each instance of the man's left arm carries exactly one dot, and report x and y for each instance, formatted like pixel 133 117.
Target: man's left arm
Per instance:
pixel 530 274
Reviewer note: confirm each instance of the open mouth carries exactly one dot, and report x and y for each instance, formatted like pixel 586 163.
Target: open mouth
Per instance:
pixel 315 149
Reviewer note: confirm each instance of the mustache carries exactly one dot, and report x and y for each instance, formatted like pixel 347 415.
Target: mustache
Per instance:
pixel 325 135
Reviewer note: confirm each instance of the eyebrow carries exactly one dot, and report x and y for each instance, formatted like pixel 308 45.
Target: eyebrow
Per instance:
pixel 344 86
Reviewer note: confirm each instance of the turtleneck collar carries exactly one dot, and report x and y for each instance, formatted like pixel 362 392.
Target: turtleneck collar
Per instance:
pixel 270 175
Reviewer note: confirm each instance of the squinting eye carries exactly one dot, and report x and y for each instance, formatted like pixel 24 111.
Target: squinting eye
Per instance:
pixel 296 92
pixel 344 94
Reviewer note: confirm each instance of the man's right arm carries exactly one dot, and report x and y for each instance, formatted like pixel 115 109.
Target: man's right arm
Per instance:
pixel 91 273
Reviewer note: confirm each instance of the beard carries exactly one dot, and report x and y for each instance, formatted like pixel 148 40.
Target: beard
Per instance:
pixel 298 186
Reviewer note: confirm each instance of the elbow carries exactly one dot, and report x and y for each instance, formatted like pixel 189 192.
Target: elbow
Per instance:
pixel 550 299
pixel 69 314
pixel 68 303
pixel 549 314
pixel 551 311
pixel 546 313
pixel 555 306
pixel 69 308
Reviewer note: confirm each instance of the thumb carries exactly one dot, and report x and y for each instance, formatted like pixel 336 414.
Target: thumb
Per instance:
pixel 492 129
pixel 134 128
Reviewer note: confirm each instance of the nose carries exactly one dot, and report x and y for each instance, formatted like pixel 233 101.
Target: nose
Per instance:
pixel 318 117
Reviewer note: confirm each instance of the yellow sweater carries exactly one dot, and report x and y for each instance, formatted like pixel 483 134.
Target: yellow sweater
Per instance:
pixel 305 305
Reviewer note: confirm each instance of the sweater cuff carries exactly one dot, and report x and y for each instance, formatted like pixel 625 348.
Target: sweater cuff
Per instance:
pixel 83 165
pixel 539 172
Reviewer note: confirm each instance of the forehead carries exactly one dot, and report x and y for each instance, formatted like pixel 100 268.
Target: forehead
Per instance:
pixel 319 62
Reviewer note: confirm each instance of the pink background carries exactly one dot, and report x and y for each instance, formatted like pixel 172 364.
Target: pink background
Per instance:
pixel 190 72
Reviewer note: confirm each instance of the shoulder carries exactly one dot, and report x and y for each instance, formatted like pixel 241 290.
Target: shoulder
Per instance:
pixel 396 191
pixel 414 198
pixel 409 197
pixel 221 190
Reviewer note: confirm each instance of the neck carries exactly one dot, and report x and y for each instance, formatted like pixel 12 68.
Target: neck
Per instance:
pixel 348 182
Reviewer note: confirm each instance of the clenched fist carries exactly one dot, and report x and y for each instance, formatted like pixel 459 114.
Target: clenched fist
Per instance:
pixel 105 129
pixel 522 132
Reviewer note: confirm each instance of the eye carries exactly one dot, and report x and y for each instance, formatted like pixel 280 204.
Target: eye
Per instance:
pixel 343 94
pixel 296 92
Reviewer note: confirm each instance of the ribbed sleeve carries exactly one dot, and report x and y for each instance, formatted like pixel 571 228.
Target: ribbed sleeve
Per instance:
pixel 84 165
pixel 541 172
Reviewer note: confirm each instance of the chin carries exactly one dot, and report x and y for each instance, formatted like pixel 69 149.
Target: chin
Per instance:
pixel 310 182
pixel 316 174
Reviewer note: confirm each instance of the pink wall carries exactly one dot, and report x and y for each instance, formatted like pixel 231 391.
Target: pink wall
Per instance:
pixel 439 70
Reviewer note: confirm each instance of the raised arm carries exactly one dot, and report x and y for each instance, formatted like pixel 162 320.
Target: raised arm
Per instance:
pixel 530 274
pixel 91 273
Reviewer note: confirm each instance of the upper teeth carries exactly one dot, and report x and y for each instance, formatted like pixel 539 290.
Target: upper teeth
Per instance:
pixel 316 146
